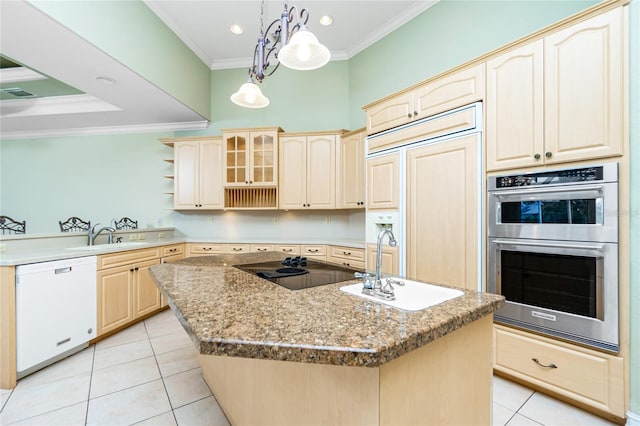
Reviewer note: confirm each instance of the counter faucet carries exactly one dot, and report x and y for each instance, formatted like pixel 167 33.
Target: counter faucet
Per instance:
pixel 93 233
pixel 392 243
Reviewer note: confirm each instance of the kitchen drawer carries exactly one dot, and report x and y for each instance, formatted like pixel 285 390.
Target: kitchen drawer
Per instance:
pixel 351 254
pixel 127 257
pixel 237 248
pixel 257 248
pixel 358 264
pixel 587 376
pixel 314 251
pixel 289 249
pixel 172 250
pixel 205 249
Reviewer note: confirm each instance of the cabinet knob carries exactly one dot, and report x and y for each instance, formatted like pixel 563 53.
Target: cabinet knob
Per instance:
pixel 136 268
pixel 536 156
pixel 409 115
pixel 548 154
pixel 415 113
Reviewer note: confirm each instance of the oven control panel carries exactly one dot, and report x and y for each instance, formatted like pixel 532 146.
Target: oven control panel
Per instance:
pixel 586 174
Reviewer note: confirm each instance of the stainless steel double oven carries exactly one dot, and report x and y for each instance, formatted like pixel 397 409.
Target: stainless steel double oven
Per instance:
pixel 553 252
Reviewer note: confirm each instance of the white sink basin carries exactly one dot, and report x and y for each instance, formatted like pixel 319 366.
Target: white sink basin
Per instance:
pixel 413 296
pixel 114 246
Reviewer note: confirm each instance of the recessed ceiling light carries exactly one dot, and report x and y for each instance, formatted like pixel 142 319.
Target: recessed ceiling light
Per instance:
pixel 236 29
pixel 105 80
pixel 326 20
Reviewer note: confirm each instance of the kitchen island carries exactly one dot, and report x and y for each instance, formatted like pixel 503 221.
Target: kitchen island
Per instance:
pixel 320 356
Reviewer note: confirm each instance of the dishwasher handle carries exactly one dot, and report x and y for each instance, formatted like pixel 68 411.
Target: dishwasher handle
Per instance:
pixel 64 270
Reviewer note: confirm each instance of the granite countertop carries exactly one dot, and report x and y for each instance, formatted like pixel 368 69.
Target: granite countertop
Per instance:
pixel 229 312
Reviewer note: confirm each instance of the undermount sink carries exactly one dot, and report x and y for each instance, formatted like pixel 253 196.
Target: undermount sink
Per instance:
pixel 412 296
pixel 96 247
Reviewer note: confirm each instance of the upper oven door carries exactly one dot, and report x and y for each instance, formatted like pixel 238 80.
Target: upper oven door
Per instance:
pixel 580 212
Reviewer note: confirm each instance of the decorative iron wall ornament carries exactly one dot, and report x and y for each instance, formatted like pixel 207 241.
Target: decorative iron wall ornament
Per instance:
pixel 8 225
pixel 125 223
pixel 74 224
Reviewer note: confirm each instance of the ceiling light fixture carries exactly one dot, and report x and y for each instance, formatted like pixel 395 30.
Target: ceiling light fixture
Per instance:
pixel 326 20
pixel 293 46
pixel 236 29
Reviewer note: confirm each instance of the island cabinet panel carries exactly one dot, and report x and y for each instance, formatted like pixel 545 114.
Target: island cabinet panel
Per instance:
pixel 198 183
pixel 559 99
pixel 442 219
pixel 442 94
pixel 383 182
pixel 197 249
pixel 390 259
pixel 589 377
pixel 307 172
pixel 441 383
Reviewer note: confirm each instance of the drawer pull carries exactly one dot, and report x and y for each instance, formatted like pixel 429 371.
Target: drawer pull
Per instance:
pixel 237 248
pixel 207 248
pixel 346 253
pixel 313 250
pixel 262 249
pixel 552 365
pixel 287 250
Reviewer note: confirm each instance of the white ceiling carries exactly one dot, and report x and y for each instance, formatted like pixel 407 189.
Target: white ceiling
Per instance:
pixel 30 37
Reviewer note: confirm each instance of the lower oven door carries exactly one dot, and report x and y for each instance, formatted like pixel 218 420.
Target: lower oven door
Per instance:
pixel 563 289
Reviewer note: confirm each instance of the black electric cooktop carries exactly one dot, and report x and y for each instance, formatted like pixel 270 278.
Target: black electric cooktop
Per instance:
pixel 296 273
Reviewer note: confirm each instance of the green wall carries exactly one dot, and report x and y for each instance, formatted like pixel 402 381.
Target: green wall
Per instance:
pixel 131 33
pixel 448 34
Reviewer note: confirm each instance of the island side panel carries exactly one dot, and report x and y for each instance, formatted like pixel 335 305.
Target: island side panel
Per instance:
pixel 254 391
pixel 7 327
pixel 447 382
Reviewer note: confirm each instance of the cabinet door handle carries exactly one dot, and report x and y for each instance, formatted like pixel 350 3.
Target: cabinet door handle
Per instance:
pixel 536 156
pixel 552 365
pixel 548 154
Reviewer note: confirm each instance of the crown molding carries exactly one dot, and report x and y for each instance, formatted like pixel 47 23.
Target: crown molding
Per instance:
pixel 107 130
pixel 19 74
pixel 69 104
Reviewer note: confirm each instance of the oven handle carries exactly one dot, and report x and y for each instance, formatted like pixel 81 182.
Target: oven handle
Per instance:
pixel 598 247
pixel 530 191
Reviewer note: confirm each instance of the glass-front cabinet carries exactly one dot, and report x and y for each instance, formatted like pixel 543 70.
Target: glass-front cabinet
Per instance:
pixel 251 157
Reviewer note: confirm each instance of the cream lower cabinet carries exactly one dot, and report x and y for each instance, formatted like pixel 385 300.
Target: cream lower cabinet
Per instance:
pixel 314 251
pixel 126 291
pixel 351 172
pixel 390 259
pixel 383 182
pixel 583 375
pixel 204 249
pixel 198 179
pixel 307 172
pixel 442 212
pixel 559 99
pixel 347 256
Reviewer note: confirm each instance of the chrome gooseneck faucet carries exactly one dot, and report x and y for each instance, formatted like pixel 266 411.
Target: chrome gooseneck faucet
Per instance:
pixel 392 243
pixel 93 233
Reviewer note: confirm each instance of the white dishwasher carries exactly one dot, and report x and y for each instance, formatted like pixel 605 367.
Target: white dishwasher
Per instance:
pixel 56 311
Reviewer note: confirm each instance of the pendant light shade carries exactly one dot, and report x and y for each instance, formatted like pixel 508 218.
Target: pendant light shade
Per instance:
pixel 250 96
pixel 304 52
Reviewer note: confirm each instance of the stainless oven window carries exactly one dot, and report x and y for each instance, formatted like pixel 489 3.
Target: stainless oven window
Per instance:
pixel 560 282
pixel 579 211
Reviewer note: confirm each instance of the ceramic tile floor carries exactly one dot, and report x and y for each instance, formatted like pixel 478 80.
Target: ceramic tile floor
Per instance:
pixel 148 374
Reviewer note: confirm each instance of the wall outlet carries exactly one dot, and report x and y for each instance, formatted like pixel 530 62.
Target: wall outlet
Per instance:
pixel 209 220
pixel 133 237
pixel 327 220
pixel 160 235
pixel 142 236
pixel 3 248
pixel 275 220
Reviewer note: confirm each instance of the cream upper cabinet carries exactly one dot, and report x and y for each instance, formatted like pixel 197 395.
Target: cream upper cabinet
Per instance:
pixel 514 113
pixel 351 171
pixel 251 157
pixel 198 174
pixel 307 172
pixel 584 89
pixel 559 99
pixel 445 93
pixel 442 212
pixel 383 182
